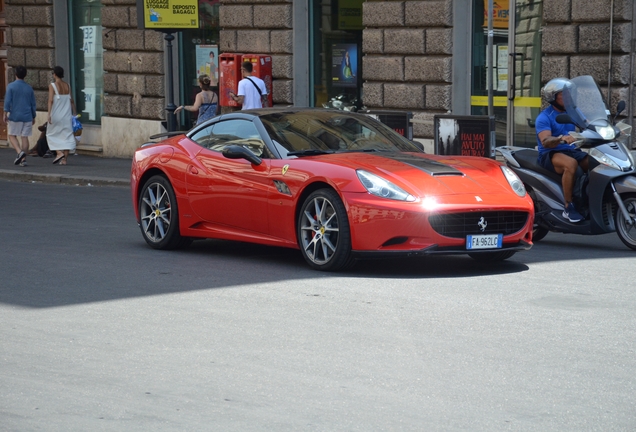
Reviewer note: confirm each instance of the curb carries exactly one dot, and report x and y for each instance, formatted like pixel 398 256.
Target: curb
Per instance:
pixel 62 179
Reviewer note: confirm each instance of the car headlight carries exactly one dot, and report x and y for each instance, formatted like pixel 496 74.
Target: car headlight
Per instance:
pixel 606 132
pixel 604 159
pixel 379 187
pixel 515 182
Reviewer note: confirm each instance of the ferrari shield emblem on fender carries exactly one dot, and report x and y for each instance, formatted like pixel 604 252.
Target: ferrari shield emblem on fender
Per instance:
pixel 285 168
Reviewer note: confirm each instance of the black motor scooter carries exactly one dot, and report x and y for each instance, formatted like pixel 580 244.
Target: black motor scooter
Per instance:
pixel 606 195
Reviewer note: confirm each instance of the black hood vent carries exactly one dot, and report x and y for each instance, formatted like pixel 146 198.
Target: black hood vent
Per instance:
pixel 428 166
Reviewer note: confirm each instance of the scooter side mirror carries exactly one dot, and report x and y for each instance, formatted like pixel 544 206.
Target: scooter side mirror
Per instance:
pixel 564 119
pixel 621 107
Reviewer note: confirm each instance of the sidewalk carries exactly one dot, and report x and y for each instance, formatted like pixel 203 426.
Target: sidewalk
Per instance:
pixel 80 170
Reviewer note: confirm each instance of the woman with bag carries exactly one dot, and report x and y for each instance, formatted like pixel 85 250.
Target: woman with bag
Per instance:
pixel 59 133
pixel 205 102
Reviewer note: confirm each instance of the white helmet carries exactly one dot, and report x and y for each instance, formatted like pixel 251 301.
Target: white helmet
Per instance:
pixel 553 87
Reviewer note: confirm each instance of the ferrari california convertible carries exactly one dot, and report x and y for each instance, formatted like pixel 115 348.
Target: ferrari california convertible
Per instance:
pixel 339 186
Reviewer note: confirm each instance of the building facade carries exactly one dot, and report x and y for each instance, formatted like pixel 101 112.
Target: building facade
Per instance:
pixel 426 57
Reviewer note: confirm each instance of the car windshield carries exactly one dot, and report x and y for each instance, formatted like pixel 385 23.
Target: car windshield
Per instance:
pixel 583 101
pixel 319 131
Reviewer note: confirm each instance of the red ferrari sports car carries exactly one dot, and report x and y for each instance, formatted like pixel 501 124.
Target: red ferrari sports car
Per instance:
pixel 337 185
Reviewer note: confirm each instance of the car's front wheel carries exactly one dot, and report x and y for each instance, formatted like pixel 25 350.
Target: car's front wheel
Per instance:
pixel 159 215
pixel 324 236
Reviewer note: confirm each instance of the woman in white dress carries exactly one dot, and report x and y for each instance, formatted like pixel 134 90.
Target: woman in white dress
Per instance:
pixel 59 133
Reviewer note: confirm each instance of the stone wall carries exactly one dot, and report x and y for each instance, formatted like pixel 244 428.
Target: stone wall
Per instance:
pixel 134 82
pixel 576 41
pixel 261 27
pixel 407 63
pixel 31 43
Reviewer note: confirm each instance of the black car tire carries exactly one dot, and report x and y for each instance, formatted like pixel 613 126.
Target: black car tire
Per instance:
pixel 159 215
pixel 323 232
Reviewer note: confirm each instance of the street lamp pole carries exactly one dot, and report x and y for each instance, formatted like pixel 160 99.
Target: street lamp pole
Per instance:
pixel 170 107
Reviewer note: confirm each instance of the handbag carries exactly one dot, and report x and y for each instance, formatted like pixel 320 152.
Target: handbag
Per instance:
pixel 77 126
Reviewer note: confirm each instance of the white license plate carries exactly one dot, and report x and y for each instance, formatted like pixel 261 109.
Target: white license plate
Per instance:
pixel 484 241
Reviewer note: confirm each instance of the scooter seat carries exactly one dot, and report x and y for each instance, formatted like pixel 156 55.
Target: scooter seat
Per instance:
pixel 527 158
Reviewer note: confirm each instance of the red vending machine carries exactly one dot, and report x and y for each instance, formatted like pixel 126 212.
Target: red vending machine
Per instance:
pixel 262 68
pixel 229 76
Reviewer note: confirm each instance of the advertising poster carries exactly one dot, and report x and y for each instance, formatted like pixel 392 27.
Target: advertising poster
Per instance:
pixel 462 135
pixel 500 10
pixel 502 68
pixel 171 14
pixel 207 57
pixel 344 65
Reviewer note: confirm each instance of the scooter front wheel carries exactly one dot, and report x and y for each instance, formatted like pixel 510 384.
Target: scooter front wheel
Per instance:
pixel 627 232
pixel 538 231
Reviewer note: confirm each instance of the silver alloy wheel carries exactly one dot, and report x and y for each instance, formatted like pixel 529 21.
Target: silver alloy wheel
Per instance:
pixel 625 231
pixel 319 230
pixel 155 212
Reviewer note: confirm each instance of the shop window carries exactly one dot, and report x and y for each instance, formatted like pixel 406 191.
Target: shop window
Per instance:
pixel 336 52
pixel 198 55
pixel 86 74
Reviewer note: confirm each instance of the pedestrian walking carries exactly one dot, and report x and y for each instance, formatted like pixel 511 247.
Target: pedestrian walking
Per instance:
pixel 252 92
pixel 206 101
pixel 59 133
pixel 19 114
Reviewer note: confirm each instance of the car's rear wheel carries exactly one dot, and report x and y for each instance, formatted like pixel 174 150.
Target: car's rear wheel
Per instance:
pixel 627 232
pixel 492 256
pixel 324 236
pixel 159 215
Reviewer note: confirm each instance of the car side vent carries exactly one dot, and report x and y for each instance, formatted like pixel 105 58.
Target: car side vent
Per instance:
pixel 395 241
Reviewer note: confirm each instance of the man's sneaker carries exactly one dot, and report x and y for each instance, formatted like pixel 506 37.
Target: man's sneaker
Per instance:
pixel 20 158
pixel 23 163
pixel 571 214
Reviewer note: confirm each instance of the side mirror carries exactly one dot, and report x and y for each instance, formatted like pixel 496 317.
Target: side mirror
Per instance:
pixel 418 144
pixel 239 152
pixel 564 119
pixel 621 107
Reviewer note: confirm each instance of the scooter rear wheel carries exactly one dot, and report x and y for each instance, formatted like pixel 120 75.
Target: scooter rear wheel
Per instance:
pixel 625 231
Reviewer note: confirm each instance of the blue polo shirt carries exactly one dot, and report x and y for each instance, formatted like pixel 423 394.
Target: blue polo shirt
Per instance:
pixel 546 121
pixel 19 102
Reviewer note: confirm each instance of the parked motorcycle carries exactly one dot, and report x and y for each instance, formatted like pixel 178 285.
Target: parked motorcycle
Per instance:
pixel 606 195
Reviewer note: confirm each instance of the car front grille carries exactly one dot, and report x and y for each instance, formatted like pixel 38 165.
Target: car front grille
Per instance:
pixel 459 225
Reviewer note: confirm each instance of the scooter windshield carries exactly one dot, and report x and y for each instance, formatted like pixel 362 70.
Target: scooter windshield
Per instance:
pixel 583 101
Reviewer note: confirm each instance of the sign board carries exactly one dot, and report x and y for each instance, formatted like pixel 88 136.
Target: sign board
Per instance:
pixel 344 65
pixel 167 14
pixel 500 11
pixel 464 135
pixel 399 121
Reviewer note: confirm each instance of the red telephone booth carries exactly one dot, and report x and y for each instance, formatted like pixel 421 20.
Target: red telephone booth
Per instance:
pixel 262 68
pixel 229 76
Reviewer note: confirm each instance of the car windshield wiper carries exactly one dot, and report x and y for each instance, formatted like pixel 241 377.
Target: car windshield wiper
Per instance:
pixel 310 152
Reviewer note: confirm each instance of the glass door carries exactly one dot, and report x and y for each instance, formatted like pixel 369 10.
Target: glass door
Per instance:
pixel 524 71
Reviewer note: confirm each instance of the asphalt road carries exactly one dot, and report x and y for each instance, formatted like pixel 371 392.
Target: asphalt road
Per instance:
pixel 100 332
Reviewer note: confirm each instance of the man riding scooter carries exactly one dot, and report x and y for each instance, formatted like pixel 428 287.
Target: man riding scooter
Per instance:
pixel 556 150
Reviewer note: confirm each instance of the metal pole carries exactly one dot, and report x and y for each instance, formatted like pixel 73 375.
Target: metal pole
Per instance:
pixel 489 54
pixel 170 107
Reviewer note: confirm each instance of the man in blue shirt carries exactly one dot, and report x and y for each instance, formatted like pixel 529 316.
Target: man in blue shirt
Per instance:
pixel 557 153
pixel 19 114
